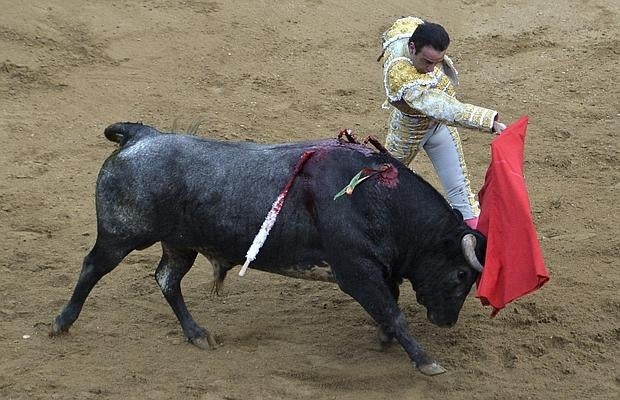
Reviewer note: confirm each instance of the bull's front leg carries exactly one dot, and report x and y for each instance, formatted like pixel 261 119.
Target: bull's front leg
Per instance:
pixel 385 339
pixel 366 285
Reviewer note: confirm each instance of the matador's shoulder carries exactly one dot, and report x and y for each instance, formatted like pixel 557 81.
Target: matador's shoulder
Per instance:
pixel 401 28
pixel 400 74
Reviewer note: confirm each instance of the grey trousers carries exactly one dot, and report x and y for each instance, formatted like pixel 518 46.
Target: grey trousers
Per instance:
pixel 407 135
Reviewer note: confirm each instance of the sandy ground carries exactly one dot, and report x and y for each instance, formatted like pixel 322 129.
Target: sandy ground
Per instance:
pixel 273 71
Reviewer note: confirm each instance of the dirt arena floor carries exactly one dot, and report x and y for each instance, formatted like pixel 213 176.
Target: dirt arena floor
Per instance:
pixel 276 71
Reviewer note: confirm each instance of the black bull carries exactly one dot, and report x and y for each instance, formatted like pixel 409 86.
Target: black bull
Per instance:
pixel 196 195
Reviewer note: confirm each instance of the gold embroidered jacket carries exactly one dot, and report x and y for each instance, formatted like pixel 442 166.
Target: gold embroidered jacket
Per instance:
pixel 425 95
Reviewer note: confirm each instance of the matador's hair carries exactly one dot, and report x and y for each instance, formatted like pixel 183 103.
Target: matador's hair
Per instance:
pixel 430 34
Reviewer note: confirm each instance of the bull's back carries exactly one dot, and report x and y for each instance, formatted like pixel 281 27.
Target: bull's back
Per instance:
pixel 208 195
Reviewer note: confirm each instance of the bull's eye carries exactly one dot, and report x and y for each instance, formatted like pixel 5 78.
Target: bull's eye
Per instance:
pixel 461 275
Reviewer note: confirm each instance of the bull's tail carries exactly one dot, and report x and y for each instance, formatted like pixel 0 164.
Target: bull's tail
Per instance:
pixel 126 132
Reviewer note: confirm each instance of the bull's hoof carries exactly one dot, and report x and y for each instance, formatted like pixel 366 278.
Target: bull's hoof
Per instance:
pixel 206 342
pixel 431 369
pixel 57 330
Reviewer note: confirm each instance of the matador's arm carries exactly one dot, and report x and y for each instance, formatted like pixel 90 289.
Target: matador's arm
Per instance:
pixel 440 106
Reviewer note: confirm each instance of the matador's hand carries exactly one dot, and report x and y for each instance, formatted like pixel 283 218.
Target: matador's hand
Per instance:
pixel 498 127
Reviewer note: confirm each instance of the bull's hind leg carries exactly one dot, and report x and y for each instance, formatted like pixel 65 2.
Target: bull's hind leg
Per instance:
pixel 220 269
pixel 174 264
pixel 101 260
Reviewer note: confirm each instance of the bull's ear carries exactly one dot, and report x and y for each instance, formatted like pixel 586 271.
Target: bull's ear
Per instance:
pixel 481 246
pixel 458 214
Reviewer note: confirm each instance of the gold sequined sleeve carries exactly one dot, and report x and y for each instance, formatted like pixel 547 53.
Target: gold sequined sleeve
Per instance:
pixel 441 106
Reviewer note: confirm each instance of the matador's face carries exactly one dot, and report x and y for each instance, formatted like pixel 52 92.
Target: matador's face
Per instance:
pixel 426 59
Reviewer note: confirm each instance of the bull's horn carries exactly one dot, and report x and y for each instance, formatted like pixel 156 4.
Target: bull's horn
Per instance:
pixel 468 244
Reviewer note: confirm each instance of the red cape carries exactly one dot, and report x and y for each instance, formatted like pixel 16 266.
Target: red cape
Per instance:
pixel 514 265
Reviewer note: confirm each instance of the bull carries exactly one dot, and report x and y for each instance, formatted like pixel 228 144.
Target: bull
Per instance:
pixel 196 195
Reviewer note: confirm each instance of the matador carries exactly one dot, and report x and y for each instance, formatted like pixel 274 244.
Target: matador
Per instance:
pixel 420 84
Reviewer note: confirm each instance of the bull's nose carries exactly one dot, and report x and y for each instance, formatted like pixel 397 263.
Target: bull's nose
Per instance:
pixel 439 322
pixel 448 324
pixel 431 317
